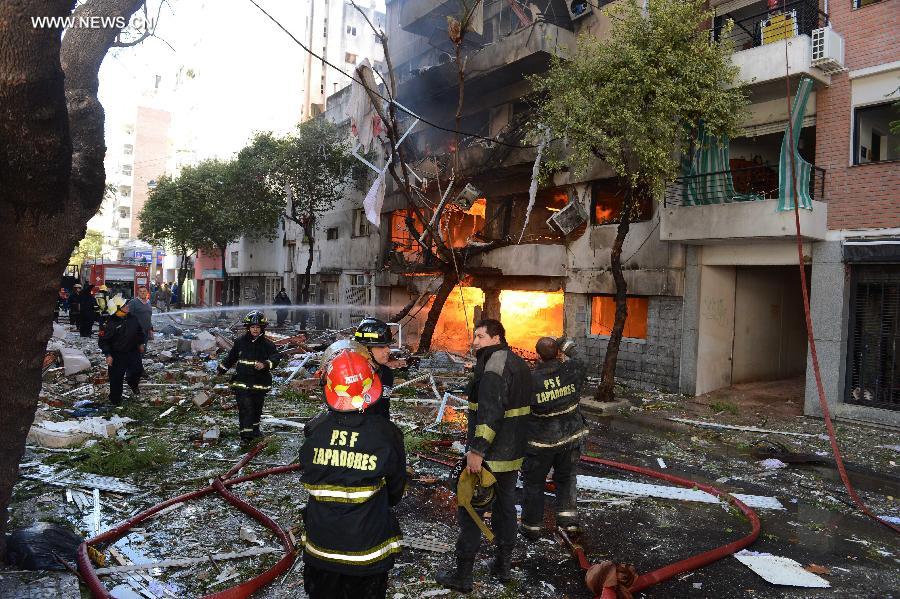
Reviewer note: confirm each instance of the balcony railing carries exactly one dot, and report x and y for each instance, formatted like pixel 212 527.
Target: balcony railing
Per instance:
pixel 766 27
pixel 736 185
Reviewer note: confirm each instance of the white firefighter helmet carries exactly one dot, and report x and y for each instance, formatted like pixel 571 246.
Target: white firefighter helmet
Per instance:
pixel 115 304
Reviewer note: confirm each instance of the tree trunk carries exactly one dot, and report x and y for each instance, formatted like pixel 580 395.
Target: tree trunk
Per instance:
pixel 222 249
pixel 606 391
pixel 440 298
pixel 304 289
pixel 51 141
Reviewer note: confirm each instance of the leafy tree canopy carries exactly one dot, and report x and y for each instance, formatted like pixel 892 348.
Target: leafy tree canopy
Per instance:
pixel 636 98
pixel 88 248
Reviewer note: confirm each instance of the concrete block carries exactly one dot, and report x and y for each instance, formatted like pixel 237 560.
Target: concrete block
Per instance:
pixel 74 361
pixel 202 399
pixel 196 376
pixel 39 435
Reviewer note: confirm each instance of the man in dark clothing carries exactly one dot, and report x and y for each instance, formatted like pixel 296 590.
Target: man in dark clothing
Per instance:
pixel 87 309
pixel 281 299
pixel 354 468
pixel 74 306
pixel 255 356
pixel 122 341
pixel 376 336
pixel 500 397
pixel 556 432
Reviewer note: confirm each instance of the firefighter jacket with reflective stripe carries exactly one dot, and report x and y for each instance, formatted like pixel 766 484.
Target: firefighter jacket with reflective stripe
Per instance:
pixel 556 422
pixel 354 468
pixel 244 355
pixel 121 335
pixel 500 397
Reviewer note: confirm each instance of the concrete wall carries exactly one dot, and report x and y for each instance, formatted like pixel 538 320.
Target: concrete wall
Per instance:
pixel 715 328
pixel 152 148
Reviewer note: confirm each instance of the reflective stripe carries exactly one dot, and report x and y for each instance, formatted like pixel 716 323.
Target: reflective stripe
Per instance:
pixel 517 412
pixel 505 465
pixel 559 413
pixel 262 387
pixel 247 362
pixel 358 558
pixel 269 362
pixel 473 406
pixel 567 514
pixel 485 432
pixel 568 439
pixel 238 385
pixel 338 494
pixel 534 528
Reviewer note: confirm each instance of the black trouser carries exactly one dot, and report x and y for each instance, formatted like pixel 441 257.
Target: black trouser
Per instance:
pixel 73 317
pixel 281 316
pixel 503 519
pixel 250 406
pixel 534 475
pixel 86 324
pixel 125 365
pixel 322 584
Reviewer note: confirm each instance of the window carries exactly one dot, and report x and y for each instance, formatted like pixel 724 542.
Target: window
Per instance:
pixel 360 224
pixel 234 260
pixel 350 57
pixel 125 190
pixel 873 373
pixel 331 234
pixel 607 196
pixel 126 169
pixel 129 129
pixel 603 314
pixel 124 233
pixel 124 212
pixel 351 30
pixel 128 149
pixel 872 137
pixel 863 3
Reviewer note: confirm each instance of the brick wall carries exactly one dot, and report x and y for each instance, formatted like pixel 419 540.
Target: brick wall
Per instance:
pixel 652 364
pixel 866 195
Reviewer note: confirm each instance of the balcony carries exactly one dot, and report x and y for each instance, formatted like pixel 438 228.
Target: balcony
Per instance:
pixel 738 205
pixel 428 18
pixel 760 37
pixel 508 60
pixel 527 260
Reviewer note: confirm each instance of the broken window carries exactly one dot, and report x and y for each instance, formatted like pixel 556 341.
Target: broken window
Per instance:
pixel 603 315
pixel 331 233
pixel 607 197
pixel 360 224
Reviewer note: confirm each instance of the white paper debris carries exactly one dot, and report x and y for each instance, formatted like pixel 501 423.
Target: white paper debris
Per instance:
pixel 74 361
pixel 623 487
pixel 662 463
pixel 780 570
pixel 772 464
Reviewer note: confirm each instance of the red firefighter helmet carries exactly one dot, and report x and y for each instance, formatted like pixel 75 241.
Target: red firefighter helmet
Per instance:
pixel 351 384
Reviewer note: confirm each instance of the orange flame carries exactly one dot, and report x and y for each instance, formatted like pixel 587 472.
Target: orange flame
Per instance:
pixel 456 418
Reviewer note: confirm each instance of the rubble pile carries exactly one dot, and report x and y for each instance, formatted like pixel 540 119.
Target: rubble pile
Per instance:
pixel 90 466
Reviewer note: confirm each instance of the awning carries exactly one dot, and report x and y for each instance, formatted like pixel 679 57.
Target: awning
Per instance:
pixel 872 251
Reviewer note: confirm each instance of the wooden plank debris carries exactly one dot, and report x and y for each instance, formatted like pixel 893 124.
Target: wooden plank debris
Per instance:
pixel 184 562
pixel 80 480
pixel 749 429
pixel 624 487
pixel 780 570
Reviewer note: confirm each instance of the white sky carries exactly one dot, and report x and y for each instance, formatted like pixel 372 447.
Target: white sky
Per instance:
pixel 247 72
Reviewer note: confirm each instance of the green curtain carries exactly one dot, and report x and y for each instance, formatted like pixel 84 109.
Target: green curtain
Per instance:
pixel 706 175
pixel 790 155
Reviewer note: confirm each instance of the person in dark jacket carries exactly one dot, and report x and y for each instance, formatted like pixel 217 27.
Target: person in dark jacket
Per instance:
pixel 87 309
pixel 74 306
pixel 354 468
pixel 375 335
pixel 500 397
pixel 122 341
pixel 556 433
pixel 254 357
pixel 281 299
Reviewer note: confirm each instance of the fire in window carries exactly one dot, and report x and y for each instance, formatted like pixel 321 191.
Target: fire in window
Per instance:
pixel 603 315
pixel 607 198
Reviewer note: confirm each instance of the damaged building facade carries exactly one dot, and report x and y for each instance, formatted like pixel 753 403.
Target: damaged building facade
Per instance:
pixel 712 274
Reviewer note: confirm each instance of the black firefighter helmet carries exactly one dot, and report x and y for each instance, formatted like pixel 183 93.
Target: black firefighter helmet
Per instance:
pixel 256 317
pixel 373 332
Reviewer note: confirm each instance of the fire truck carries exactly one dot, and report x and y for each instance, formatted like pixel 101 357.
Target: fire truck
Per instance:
pixel 119 278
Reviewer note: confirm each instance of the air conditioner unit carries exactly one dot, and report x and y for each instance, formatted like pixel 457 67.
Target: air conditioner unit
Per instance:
pixel 827 50
pixel 569 218
pixel 578 9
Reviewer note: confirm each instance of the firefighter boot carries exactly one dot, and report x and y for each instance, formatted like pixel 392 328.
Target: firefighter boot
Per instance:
pixel 501 565
pixel 460 578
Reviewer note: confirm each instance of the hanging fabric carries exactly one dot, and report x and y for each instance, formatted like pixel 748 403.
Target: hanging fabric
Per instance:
pixel 790 155
pixel 707 177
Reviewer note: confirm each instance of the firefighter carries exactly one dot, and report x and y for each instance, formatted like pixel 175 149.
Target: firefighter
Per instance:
pixel 74 306
pixel 101 300
pixel 122 340
pixel 500 397
pixel 556 432
pixel 87 310
pixel 376 337
pixel 354 468
pixel 254 357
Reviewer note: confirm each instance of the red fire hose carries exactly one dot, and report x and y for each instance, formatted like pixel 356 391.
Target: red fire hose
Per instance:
pixel 666 572
pixel 219 486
